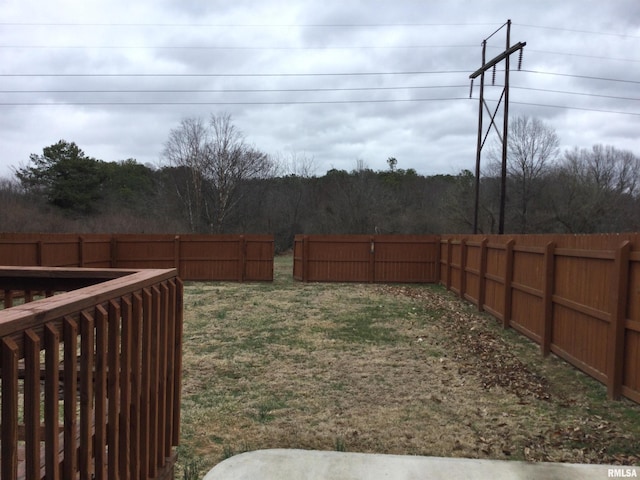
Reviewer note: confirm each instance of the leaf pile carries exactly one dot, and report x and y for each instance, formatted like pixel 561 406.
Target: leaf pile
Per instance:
pixel 481 349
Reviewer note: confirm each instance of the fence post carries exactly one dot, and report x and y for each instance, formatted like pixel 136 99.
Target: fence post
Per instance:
pixel 619 297
pixel 176 253
pixel 438 253
pixel 463 267
pixel 547 298
pixel 449 255
pixel 305 258
pixel 482 282
pixel 508 277
pixel 114 252
pixel 39 251
pixel 372 259
pixel 80 251
pixel 242 258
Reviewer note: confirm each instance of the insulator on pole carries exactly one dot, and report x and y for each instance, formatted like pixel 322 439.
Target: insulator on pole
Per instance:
pixel 471 89
pixel 493 76
pixel 520 59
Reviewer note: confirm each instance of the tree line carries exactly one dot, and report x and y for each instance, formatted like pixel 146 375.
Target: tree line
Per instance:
pixel 212 181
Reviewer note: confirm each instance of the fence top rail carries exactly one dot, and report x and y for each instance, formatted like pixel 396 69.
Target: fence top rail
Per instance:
pixel 33 314
pixel 410 238
pixel 575 252
pixel 55 278
pixel 64 272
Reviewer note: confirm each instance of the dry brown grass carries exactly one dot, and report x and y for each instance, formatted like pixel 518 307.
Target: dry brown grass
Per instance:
pixel 384 369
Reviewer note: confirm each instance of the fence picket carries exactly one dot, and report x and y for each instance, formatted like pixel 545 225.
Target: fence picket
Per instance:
pixel 619 298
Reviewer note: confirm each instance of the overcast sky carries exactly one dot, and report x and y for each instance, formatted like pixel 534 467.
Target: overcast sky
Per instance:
pixel 335 81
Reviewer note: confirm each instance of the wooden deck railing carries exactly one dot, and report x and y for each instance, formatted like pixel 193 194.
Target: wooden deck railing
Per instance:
pixel 90 378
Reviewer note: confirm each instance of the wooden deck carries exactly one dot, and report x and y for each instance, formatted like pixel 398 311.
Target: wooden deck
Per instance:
pixel 90 378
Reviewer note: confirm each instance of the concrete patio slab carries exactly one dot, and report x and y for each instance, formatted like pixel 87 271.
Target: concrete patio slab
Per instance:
pixel 284 464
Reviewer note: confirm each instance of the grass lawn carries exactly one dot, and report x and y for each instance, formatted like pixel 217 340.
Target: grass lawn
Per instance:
pixel 400 369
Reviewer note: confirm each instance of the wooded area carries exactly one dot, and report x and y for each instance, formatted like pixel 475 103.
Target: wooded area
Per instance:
pixel 210 181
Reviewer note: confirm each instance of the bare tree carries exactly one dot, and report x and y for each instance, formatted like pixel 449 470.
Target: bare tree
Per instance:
pixel 186 149
pixel 218 161
pixel 532 147
pixel 597 190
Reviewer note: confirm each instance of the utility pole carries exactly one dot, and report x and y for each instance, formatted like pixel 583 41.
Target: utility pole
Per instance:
pixel 509 50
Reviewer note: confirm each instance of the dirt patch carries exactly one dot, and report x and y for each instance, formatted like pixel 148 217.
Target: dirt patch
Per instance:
pixel 382 369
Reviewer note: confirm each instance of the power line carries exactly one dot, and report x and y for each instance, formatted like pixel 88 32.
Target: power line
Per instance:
pixel 307 90
pixel 302 102
pixel 635 114
pixel 589 32
pixel 588 77
pixel 239 90
pixel 618 112
pixel 329 102
pixel 295 74
pixel 584 94
pixel 579 55
pixel 336 74
pixel 240 25
pixel 228 47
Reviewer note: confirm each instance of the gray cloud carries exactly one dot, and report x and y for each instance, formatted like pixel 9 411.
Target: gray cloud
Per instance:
pixel 425 120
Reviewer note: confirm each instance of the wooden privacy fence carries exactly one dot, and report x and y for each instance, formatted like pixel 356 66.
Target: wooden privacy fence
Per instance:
pixel 576 296
pixel 366 258
pixel 90 378
pixel 196 257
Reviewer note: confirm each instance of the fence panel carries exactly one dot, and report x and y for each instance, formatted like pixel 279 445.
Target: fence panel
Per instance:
pixel 494 280
pixel 527 305
pixel 259 258
pixel 575 295
pixel 366 258
pixel 96 251
pixel 473 271
pixel 197 257
pixel 582 315
pixel 405 258
pixel 19 253
pixel 631 377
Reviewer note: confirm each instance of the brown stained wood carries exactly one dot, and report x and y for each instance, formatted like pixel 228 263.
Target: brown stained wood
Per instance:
pixel 367 258
pixel 619 299
pixel 583 314
pixel 87 355
pixel 136 383
pixel 82 443
pixel 51 411
pixel 100 452
pixel 154 360
pixel 32 403
pixel 482 287
pixel 196 257
pixel 145 388
pixel 70 389
pixel 113 388
pixel 9 385
pixel 547 298
pixel 125 388
pixel 177 352
pixel 170 361
pixel 162 373
pixel 508 278
pixel 23 317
